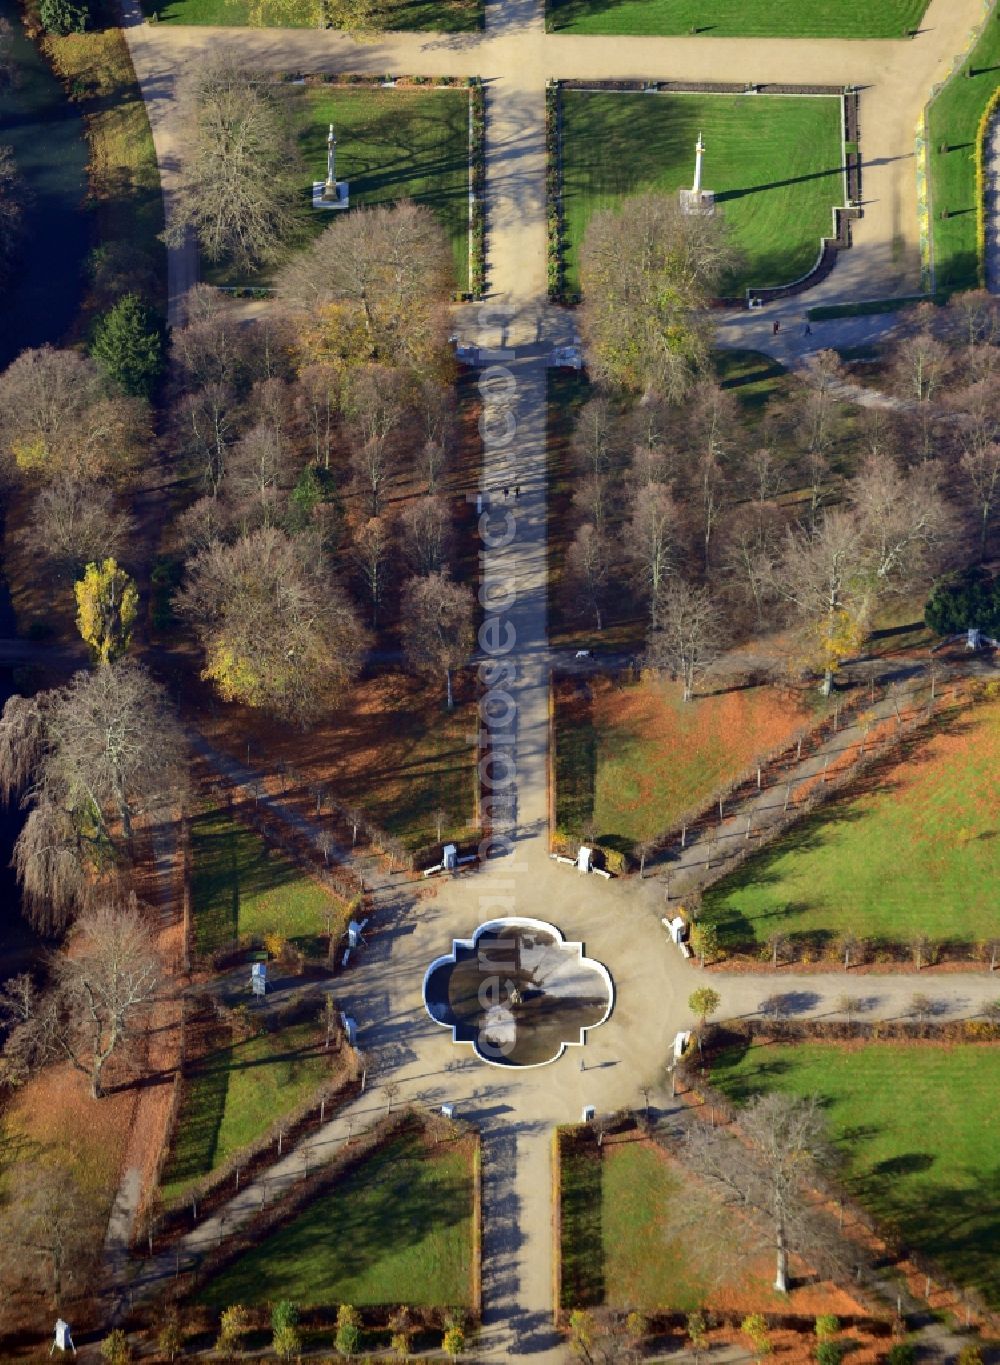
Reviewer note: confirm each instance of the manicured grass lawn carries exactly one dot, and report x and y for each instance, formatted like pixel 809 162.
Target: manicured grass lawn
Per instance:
pixel 234 1095
pixel 444 16
pixel 742 18
pixel 396 1229
pixel 915 853
pixel 953 120
pixel 242 889
pixel 775 163
pixel 920 1134
pixel 618 1200
pixel 392 144
pixel 634 760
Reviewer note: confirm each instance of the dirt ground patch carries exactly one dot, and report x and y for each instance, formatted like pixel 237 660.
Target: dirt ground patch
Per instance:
pixel 632 758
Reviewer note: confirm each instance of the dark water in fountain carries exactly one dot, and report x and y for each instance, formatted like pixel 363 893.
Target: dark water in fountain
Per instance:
pixel 517 996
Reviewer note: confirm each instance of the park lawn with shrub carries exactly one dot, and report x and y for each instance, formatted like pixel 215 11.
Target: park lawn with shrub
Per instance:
pixel 914 853
pixel 774 162
pixel 632 760
pixel 442 16
pixel 241 889
pixel 397 1228
pixel 621 1199
pixel 234 1094
pixel 953 121
pixel 123 176
pixel 741 18
pixel 936 1181
pixel 406 142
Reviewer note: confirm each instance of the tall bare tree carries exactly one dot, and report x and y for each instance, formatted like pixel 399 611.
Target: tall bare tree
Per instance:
pixel 57 417
pixel 372 550
pixel 52 1232
pixel 90 757
pixel 238 188
pixel 647 272
pixel 277 629
pixel 438 631
pixel 651 541
pixel 764 1178
pixel 74 522
pixel 588 569
pixel 377 410
pixel 103 988
pixel 686 637
pixel 426 534
pixel 393 269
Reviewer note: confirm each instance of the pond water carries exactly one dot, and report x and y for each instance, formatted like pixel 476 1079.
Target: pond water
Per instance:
pixel 46 133
pixel 518 992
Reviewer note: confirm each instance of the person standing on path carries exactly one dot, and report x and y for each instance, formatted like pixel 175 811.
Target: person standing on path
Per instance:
pixel 775 327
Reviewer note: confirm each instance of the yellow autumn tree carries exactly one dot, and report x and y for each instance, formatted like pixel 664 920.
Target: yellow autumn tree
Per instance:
pixel 107 603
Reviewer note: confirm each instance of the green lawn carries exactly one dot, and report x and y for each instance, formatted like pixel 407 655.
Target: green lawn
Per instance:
pixel 775 163
pixel 396 1229
pixel 234 1095
pixel 935 1177
pixel 741 18
pixel 445 16
pixel 617 1199
pixel 240 888
pixel 952 121
pixel 403 143
pixel 916 852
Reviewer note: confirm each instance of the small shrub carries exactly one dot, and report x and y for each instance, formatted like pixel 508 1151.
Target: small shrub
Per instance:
pixel 827 1326
pixel 286 1340
pixel 902 1353
pixel 636 1325
pixel 233 1322
pixel 453 1341
pixel 348 1330
pixel 115 1349
pixel 754 1326
pixel 170 1338
pixel 829 1353
pixel 970 1354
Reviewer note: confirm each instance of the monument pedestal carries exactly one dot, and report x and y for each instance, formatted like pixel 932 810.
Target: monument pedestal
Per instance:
pixel 698 201
pixel 324 199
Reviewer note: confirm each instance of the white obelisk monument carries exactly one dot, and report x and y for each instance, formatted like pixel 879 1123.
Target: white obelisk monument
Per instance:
pixel 697 200
pixel 330 193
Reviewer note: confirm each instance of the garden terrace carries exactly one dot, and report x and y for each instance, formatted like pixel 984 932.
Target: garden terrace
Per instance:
pixel 395 1228
pixel 236 1089
pixel 935 1186
pixel 775 162
pixel 741 18
pixel 621 1246
pixel 407 141
pixel 909 852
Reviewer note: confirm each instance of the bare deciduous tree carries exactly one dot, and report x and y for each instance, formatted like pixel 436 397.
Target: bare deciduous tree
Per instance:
pixel 686 635
pixel 393 268
pixel 372 551
pixel 426 534
pixel 74 523
pixel 102 989
pixel 437 629
pixel 277 629
pixel 90 757
pixel 57 417
pixel 651 541
pixel 52 1232
pixel 588 568
pixel 764 1178
pixel 647 271
pixel 376 405
pixel 239 172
